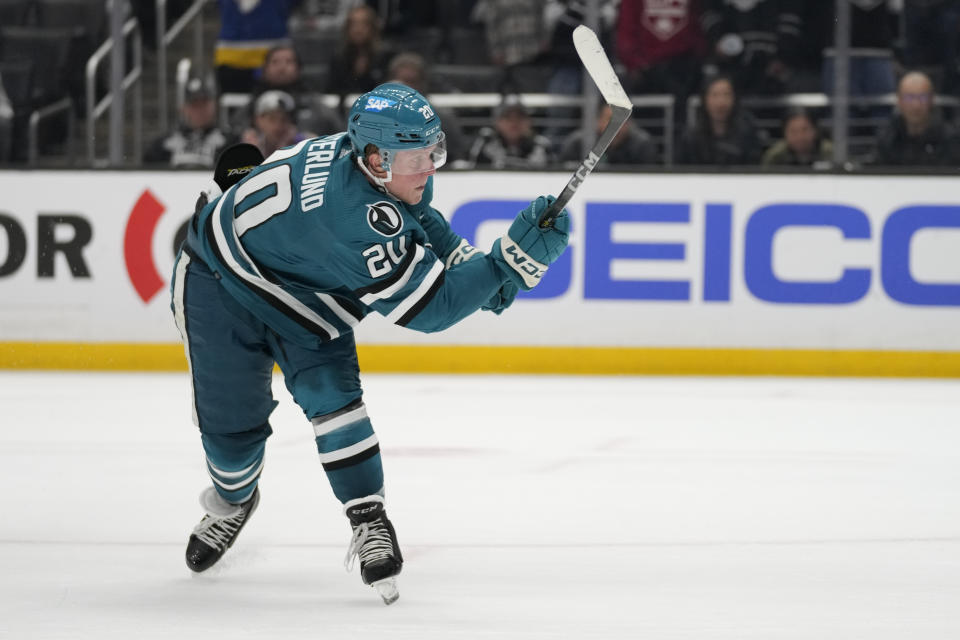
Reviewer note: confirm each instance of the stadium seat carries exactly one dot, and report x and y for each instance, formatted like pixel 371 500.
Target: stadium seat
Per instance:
pixel 91 15
pixel 455 78
pixel 315 47
pixel 18 84
pixel 17 79
pixel 49 50
pixel 88 15
pixel 468 46
pixel 14 13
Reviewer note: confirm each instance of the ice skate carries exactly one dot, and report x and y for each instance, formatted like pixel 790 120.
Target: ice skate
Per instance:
pixel 375 542
pixel 218 529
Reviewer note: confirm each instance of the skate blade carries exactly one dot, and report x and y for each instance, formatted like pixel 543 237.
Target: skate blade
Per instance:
pixel 387 588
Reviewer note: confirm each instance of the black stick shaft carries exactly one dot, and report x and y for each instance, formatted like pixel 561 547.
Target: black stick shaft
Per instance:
pixel 619 116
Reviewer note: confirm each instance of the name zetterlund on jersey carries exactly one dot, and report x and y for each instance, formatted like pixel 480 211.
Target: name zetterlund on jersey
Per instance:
pixel 316 170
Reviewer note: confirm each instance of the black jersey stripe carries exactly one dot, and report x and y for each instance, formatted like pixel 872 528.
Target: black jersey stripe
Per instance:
pixel 265 295
pixel 422 302
pixel 366 454
pixel 348 306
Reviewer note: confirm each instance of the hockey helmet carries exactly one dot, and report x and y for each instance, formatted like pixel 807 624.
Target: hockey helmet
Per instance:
pixel 401 123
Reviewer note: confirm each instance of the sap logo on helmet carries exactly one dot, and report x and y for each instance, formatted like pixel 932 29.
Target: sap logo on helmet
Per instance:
pixel 377 103
pixel 384 218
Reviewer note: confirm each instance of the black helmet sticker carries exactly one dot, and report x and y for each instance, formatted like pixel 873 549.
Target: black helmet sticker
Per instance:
pixel 384 218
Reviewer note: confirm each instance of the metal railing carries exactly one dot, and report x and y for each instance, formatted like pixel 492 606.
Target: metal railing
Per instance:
pixel 230 103
pixel 64 105
pixel 164 38
pixel 131 32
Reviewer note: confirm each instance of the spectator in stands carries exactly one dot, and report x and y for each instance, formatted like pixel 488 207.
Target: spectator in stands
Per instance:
pixel 872 36
pixel 274 123
pixel 411 69
pixel 360 62
pixel 916 136
pixel 511 143
pixel 802 144
pixel 248 29
pixel 723 134
pixel 662 47
pixel 631 146
pixel 756 42
pixel 197 140
pixel 282 71
pixel 931 29
pixel 516 34
pixel 6 125
pixel 561 58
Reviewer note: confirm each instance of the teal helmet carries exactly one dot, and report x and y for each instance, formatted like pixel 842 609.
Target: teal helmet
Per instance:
pixel 395 118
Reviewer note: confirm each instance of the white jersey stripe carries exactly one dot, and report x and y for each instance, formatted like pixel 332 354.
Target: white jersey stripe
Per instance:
pixel 407 303
pixel 346 452
pixel 242 483
pixel 418 255
pixel 256 279
pixel 180 318
pixel 230 475
pixel 341 313
pixel 325 427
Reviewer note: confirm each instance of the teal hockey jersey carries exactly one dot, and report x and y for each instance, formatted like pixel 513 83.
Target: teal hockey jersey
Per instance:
pixel 310 247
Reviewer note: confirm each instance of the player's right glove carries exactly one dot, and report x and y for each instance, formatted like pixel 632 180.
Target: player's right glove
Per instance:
pixel 526 250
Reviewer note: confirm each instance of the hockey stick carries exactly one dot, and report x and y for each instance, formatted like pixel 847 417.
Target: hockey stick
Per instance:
pixel 233 165
pixel 598 66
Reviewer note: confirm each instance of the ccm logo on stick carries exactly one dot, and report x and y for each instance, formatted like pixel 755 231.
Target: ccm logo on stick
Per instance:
pixel 710 231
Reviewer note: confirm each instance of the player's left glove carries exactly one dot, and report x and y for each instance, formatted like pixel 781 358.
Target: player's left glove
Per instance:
pixel 502 298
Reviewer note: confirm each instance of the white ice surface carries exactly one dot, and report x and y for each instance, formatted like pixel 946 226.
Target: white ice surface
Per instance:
pixel 526 507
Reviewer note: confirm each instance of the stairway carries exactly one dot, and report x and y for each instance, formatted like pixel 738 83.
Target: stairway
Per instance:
pixel 181 47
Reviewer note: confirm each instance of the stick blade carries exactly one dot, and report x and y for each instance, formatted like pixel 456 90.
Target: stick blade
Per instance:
pixel 598 66
pixel 234 163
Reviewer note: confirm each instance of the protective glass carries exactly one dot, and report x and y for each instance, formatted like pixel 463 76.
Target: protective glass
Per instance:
pixel 413 161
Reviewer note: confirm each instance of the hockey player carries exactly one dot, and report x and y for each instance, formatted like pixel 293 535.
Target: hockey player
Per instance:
pixel 282 265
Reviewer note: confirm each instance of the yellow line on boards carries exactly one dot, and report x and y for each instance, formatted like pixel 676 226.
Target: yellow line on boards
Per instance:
pixel 521 360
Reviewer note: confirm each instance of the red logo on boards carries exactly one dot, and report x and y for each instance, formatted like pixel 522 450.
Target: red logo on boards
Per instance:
pixel 138 246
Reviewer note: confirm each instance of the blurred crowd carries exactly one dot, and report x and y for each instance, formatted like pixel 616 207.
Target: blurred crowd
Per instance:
pixel 731 67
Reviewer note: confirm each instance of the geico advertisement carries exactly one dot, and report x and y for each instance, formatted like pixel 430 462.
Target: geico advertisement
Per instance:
pixel 655 260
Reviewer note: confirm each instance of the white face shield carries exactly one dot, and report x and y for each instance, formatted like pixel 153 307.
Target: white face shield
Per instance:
pixel 410 162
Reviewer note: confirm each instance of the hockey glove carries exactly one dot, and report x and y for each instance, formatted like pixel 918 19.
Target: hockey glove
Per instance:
pixel 502 298
pixel 526 250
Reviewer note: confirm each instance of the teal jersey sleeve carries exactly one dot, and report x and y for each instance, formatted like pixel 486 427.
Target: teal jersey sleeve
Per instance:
pixel 392 264
pixel 309 245
pixel 449 247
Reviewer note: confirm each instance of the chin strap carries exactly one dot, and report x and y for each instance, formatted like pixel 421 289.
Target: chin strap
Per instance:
pixel 379 183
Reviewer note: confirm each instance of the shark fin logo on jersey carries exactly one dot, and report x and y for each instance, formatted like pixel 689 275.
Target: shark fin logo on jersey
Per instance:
pixel 384 218
pixel 378 103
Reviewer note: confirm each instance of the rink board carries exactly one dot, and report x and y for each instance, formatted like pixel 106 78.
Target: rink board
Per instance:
pixel 732 274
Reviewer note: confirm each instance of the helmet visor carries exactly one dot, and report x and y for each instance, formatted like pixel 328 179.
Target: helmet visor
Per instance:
pixel 408 162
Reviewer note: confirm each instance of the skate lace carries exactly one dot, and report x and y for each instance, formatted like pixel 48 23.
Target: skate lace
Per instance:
pixel 370 541
pixel 217 531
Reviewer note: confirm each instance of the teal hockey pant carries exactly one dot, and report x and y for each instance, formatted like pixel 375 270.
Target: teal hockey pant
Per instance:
pixel 231 356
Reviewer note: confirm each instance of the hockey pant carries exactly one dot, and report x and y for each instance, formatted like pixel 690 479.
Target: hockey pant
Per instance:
pixel 231 354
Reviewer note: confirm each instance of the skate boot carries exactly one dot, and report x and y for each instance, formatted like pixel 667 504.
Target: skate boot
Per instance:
pixel 218 529
pixel 375 542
